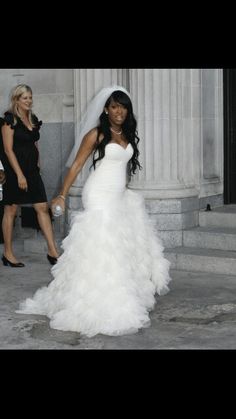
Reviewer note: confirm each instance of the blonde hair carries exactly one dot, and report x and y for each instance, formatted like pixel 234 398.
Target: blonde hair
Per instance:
pixel 17 92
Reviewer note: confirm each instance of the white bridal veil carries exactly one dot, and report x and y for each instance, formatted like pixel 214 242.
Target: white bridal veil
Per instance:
pixel 90 118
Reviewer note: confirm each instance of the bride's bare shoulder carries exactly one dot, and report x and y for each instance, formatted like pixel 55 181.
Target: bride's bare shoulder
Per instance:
pixel 92 135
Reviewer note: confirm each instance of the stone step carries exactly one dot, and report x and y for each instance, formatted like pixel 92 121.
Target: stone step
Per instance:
pixel 202 260
pixel 224 216
pixel 221 238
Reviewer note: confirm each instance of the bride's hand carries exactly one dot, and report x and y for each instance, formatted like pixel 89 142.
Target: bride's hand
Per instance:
pixel 59 200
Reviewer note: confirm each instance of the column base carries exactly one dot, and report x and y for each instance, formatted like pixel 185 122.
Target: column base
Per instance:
pixel 170 216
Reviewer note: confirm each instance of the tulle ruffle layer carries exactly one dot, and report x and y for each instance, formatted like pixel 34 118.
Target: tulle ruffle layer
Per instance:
pixel 106 279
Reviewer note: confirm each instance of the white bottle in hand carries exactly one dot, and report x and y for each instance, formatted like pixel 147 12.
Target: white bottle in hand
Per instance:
pixel 1 192
pixel 57 211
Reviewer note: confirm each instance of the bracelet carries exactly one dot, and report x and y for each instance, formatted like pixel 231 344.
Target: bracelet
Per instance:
pixel 61 196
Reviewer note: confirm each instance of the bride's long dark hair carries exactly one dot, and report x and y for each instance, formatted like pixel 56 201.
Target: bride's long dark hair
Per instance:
pixel 128 128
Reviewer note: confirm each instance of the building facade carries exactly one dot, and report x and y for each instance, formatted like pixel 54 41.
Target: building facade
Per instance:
pixel 180 125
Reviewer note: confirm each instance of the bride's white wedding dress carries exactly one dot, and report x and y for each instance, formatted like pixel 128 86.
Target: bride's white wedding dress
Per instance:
pixel 112 264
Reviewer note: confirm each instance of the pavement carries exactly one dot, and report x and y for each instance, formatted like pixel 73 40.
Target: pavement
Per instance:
pixel 199 312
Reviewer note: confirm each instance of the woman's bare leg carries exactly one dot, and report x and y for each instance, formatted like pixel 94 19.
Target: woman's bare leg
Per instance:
pixel 46 227
pixel 7 229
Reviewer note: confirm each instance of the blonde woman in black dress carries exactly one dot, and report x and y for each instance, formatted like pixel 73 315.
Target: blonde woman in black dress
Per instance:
pixel 20 156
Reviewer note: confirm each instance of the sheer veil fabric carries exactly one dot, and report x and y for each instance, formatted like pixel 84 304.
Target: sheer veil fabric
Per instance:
pixel 90 119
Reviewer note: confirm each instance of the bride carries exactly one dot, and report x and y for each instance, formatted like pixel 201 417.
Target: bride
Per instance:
pixel 112 266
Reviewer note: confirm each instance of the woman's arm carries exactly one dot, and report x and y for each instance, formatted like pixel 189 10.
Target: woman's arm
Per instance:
pixel 86 148
pixel 7 135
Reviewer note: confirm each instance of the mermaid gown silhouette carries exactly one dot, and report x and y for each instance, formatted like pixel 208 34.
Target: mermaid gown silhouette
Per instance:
pixel 112 265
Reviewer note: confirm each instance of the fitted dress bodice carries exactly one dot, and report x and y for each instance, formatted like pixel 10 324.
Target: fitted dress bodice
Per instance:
pixel 107 183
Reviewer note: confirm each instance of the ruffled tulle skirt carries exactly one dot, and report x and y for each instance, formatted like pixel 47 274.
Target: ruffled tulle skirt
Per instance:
pixel 106 279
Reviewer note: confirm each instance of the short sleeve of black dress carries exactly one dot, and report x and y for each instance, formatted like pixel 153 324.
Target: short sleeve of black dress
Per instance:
pixel 26 152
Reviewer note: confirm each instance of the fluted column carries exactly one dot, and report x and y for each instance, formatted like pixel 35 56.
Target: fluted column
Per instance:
pixel 162 101
pixel 88 82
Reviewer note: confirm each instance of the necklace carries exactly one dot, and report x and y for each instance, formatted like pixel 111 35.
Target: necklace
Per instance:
pixel 115 132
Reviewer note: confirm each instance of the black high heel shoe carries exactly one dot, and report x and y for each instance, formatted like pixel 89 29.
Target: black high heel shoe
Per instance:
pixel 52 259
pixel 7 262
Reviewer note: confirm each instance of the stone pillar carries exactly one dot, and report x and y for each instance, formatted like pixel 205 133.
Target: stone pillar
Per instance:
pixel 162 102
pixel 88 82
pixel 168 104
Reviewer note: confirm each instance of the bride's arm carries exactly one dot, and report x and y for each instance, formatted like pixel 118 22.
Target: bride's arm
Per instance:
pixel 86 148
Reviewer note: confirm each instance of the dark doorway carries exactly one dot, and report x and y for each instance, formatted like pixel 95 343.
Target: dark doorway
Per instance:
pixel 229 83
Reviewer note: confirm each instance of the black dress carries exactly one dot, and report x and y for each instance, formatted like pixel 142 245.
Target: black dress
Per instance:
pixel 27 156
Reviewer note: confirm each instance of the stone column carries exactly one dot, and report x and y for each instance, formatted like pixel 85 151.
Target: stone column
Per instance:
pixel 167 106
pixel 162 101
pixel 88 82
